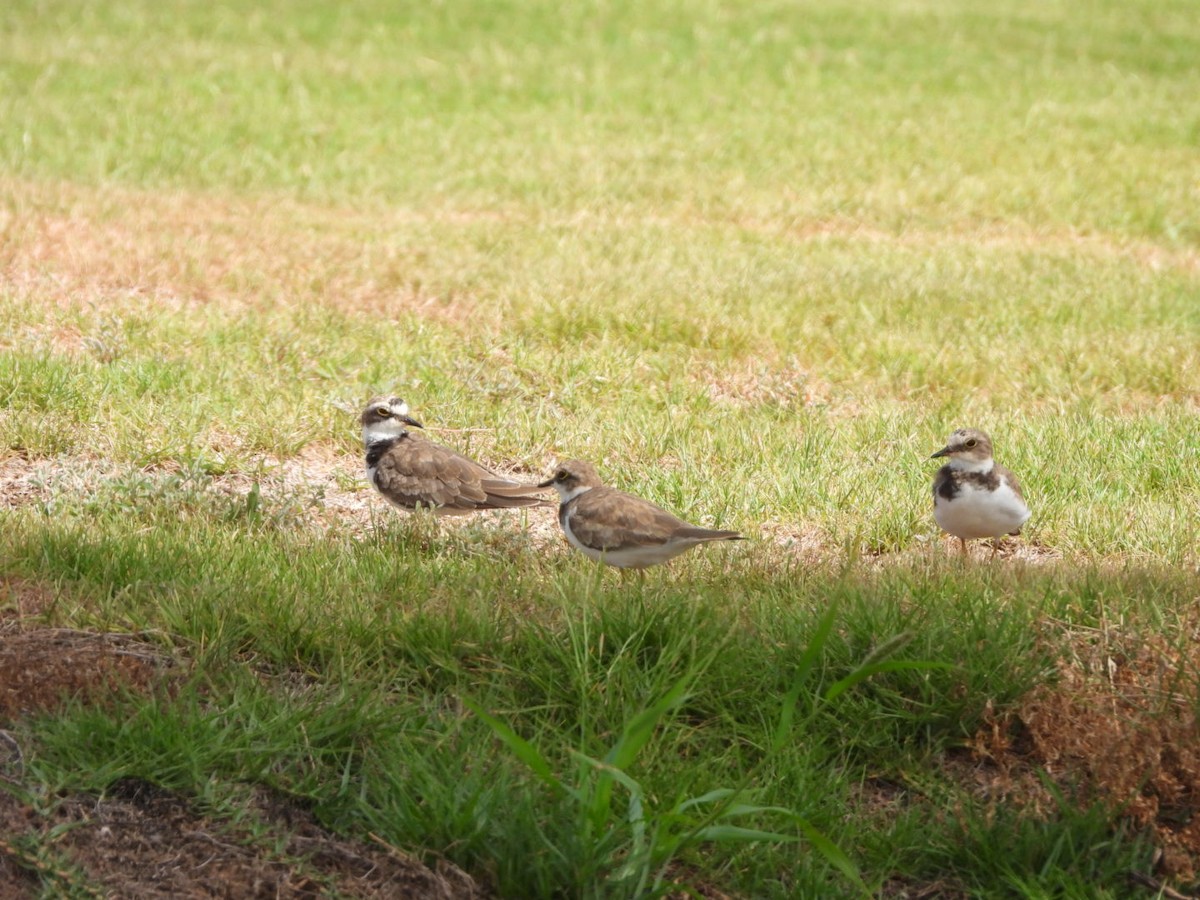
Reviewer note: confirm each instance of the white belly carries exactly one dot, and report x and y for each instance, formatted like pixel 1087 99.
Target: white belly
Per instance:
pixel 975 513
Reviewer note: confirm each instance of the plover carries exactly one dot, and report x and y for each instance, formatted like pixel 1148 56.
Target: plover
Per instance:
pixel 974 496
pixel 413 473
pixel 618 528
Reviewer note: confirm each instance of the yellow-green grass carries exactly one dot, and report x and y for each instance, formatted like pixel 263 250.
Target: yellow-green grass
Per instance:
pixel 805 382
pixel 755 261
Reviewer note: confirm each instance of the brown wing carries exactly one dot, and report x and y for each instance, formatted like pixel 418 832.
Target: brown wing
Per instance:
pixel 1008 476
pixel 419 472
pixel 607 519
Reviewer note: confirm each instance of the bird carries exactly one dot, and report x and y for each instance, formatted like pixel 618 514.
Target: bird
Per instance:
pixel 617 528
pixel 413 473
pixel 973 495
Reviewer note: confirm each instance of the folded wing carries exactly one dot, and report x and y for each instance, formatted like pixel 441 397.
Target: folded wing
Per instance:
pixel 422 473
pixel 606 519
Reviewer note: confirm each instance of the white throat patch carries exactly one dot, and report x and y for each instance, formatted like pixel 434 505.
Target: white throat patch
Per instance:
pixel 982 466
pixel 383 430
pixel 566 494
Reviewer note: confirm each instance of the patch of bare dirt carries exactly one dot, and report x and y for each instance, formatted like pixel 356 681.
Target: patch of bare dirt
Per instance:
pixel 1020 549
pixel 19 483
pixel 22 599
pixel 41 668
pixel 785 384
pixel 319 488
pixel 804 542
pixel 1118 727
pixel 140 841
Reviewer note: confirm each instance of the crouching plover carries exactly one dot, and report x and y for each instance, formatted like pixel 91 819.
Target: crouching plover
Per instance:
pixel 618 528
pixel 414 473
pixel 973 496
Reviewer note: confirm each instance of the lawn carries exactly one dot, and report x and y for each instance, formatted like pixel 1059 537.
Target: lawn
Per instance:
pixel 755 261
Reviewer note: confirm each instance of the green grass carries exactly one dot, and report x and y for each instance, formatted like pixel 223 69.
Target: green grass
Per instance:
pixel 337 671
pixel 1104 483
pixel 313 678
pixel 753 260
pixel 662 107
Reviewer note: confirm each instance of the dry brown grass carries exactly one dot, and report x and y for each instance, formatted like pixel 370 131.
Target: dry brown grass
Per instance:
pixel 110 247
pixel 780 382
pixel 1118 727
pixel 98 244
pixel 42 668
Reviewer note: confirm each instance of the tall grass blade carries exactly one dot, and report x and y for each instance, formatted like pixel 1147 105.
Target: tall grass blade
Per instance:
pixel 521 748
pixel 862 673
pixel 641 727
pixel 808 659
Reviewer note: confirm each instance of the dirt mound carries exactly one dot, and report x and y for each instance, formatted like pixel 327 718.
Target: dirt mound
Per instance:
pixel 142 841
pixel 1119 727
pixel 41 668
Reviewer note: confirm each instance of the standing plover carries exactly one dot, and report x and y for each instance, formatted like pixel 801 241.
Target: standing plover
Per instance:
pixel 973 496
pixel 618 528
pixel 415 473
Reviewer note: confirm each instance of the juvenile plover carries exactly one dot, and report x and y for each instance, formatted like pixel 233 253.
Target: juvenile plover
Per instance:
pixel 618 528
pixel 974 496
pixel 413 473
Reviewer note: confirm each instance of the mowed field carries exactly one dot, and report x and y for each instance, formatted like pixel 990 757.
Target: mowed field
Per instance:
pixel 753 260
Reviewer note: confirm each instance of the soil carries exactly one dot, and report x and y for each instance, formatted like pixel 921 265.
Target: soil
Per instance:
pixel 1118 727
pixel 139 840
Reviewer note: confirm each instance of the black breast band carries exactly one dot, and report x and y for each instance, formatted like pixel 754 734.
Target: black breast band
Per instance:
pixel 376 449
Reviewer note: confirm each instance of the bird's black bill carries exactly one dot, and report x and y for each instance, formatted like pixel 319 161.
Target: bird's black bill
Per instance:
pixel 549 482
pixel 945 451
pixel 409 420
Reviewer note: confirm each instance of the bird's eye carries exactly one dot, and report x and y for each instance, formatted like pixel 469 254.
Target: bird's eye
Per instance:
pixel 561 475
pixel 971 442
pixel 383 412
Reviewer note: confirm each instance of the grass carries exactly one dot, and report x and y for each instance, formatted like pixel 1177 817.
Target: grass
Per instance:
pixel 755 262
pixel 314 677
